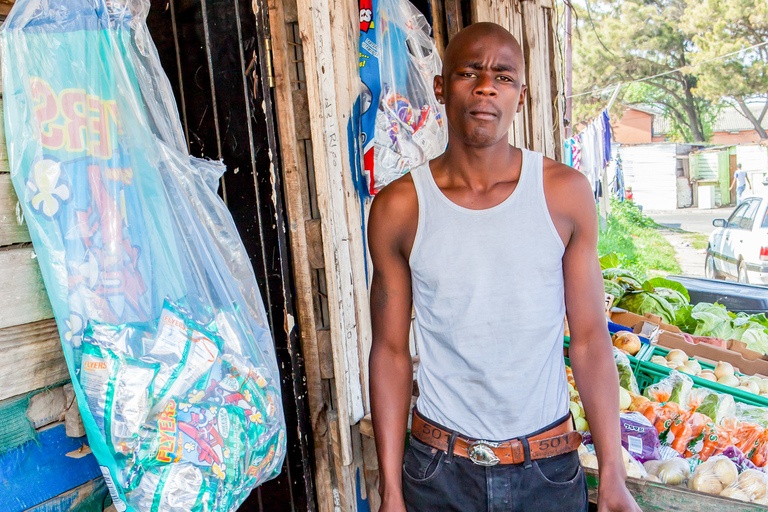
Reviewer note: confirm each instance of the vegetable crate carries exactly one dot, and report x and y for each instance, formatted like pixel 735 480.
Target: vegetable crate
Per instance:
pixel 648 373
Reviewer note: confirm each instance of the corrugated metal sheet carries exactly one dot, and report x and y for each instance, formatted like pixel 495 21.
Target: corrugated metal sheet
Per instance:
pixel 753 158
pixel 650 171
pixel 708 166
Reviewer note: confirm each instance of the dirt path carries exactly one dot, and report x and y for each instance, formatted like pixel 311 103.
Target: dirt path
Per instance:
pixel 691 259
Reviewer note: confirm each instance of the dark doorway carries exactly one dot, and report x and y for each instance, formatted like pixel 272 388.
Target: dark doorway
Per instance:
pixel 213 52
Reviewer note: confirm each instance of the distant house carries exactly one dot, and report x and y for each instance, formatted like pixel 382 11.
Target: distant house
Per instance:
pixel 644 124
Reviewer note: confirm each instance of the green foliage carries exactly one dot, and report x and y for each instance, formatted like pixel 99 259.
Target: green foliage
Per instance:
pixel 624 40
pixel 637 245
pixel 723 27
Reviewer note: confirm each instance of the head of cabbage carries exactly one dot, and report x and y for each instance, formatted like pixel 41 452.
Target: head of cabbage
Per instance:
pixel 643 302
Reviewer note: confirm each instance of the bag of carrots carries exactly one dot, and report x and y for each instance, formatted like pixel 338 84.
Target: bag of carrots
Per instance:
pixel 683 429
pixel 713 440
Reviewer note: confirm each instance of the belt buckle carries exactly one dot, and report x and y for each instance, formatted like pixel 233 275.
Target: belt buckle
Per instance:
pixel 482 454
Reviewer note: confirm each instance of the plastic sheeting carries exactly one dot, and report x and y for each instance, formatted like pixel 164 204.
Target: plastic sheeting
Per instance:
pixel 409 127
pixel 160 316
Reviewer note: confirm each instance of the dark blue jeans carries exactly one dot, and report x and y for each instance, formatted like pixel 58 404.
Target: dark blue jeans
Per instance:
pixel 435 481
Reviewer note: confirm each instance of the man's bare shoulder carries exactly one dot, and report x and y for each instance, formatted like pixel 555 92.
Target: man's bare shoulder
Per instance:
pixel 394 213
pixel 566 186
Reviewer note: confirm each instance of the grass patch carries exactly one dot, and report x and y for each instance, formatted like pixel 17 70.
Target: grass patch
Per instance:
pixel 635 238
pixel 697 240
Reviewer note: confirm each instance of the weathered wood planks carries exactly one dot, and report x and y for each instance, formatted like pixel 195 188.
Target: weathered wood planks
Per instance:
pixel 23 298
pixel 32 358
pixel 656 497
pixel 12 231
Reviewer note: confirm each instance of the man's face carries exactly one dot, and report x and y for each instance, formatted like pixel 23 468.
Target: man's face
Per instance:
pixel 482 90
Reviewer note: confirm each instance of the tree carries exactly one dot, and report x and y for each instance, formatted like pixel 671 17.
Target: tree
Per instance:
pixel 722 27
pixel 626 40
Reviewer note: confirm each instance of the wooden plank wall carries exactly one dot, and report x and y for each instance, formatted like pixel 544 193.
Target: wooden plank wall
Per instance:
pixel 327 251
pixel 28 334
pixel 315 47
pixel 539 126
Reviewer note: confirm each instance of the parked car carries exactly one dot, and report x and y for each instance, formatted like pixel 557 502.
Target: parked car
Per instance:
pixel 738 248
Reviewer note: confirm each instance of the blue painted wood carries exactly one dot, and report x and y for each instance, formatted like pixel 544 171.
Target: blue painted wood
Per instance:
pixel 89 497
pixel 35 473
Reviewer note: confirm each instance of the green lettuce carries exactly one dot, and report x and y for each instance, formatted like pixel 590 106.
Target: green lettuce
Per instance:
pixel 614 289
pixel 644 302
pixel 712 320
pixel 623 278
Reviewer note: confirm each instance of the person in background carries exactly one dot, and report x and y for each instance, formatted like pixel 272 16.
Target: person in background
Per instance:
pixel 491 245
pixel 740 181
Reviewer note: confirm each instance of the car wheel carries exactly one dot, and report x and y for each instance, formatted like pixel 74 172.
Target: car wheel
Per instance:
pixel 710 272
pixel 743 278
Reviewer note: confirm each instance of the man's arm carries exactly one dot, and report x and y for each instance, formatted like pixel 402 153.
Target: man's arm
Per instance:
pixel 746 176
pixel 390 232
pixel 590 351
pixel 733 184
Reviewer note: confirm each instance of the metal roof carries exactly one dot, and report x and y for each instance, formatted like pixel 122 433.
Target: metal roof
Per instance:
pixel 730 119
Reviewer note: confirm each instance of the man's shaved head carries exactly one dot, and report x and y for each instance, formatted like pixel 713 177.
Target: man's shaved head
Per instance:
pixel 482 84
pixel 496 35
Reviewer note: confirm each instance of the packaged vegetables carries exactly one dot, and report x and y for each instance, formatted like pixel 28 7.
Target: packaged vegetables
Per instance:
pixel 160 316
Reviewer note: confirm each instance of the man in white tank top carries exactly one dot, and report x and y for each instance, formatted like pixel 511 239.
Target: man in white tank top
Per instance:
pixel 491 245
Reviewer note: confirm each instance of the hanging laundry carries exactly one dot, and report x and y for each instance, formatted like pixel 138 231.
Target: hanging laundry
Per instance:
pixel 606 138
pixel 577 152
pixel 568 153
pixel 590 150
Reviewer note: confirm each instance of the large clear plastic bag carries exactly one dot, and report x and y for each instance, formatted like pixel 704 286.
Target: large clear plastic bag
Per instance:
pixel 161 319
pixel 410 126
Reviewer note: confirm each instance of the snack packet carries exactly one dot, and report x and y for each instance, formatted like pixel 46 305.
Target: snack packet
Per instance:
pixel 118 391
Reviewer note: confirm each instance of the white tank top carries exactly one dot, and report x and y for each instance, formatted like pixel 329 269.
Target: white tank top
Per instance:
pixel 489 299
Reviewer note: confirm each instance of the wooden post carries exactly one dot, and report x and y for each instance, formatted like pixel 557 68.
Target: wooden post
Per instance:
pixel 299 213
pixel 568 73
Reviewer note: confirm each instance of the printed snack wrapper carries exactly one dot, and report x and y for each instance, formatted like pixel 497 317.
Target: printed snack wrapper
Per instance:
pixel 160 316
pixel 639 437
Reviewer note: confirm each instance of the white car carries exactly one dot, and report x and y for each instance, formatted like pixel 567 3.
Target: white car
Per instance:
pixel 738 248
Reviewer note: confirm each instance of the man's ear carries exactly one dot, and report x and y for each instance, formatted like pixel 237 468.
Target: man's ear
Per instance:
pixel 520 103
pixel 438 86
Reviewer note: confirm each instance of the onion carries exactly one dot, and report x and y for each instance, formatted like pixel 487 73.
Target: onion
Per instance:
pixel 628 342
pixel 708 376
pixel 753 388
pixel 677 355
pixel 728 380
pixel 660 360
pixel 722 369
pixel 693 365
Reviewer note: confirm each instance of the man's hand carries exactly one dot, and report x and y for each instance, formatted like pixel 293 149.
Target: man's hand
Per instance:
pixel 613 496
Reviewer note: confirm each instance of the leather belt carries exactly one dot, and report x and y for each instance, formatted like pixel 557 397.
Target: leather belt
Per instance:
pixel 555 441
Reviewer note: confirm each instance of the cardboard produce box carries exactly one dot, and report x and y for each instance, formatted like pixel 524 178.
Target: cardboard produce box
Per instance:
pixel 631 320
pixel 712 354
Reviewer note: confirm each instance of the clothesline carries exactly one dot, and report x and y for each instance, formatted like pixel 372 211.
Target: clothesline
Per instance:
pixel 605 89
